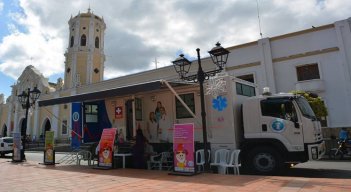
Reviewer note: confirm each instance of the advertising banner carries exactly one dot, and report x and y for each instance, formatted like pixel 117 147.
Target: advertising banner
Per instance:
pixel 49 156
pixel 106 146
pixel 16 147
pixel 76 125
pixel 183 146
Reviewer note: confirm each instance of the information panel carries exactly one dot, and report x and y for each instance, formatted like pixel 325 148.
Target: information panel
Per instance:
pixel 16 147
pixel 106 145
pixel 183 146
pixel 49 156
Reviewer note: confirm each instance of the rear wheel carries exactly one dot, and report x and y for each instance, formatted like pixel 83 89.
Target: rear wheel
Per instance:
pixel 265 160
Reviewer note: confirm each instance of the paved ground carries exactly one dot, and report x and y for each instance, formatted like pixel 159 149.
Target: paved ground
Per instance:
pixel 31 176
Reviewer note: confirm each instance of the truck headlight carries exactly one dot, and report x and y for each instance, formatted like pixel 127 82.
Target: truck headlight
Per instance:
pixel 314 153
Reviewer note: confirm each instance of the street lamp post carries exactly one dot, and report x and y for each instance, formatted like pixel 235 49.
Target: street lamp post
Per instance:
pixel 27 99
pixel 182 65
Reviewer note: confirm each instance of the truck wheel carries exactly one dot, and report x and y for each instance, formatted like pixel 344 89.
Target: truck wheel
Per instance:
pixel 265 160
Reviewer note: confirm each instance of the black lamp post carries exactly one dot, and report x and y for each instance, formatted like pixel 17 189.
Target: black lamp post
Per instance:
pixel 27 99
pixel 182 65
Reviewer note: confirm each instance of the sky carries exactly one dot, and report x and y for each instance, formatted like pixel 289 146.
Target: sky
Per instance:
pixel 35 32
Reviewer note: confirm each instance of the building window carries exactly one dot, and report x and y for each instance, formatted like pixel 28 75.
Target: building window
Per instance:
pixel 83 40
pixel 64 127
pixel 181 111
pixel 249 78
pixel 72 41
pixel 97 42
pixel 307 72
pixel 91 113
pixel 245 90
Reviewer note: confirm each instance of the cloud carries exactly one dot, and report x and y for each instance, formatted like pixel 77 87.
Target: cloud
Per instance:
pixel 35 44
pixel 1 6
pixel 140 31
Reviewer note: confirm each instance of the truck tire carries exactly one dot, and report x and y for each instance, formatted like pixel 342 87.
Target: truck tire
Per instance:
pixel 264 161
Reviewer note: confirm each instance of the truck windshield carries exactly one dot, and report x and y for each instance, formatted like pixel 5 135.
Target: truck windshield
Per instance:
pixel 305 108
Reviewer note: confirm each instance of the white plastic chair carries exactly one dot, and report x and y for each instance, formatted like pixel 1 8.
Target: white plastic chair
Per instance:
pixel 200 158
pixel 233 162
pixel 160 161
pixel 84 156
pixel 220 158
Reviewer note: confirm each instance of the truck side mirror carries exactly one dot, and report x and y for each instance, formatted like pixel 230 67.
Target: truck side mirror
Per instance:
pixel 295 120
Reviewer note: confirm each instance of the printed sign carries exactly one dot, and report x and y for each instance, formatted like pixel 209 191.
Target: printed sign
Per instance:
pixel 76 125
pixel 278 125
pixel 49 147
pixel 106 145
pixel 16 147
pixel 119 112
pixel 183 146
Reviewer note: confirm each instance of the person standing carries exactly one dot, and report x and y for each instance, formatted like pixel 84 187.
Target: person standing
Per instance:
pixel 139 151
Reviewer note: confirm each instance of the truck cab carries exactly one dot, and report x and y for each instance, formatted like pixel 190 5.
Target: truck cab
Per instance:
pixel 270 130
pixel 278 129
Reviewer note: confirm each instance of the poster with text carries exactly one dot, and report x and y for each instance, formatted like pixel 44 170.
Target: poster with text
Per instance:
pixel 183 146
pixel 106 145
pixel 16 147
pixel 49 147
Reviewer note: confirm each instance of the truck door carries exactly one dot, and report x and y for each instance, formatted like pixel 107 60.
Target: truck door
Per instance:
pixel 280 121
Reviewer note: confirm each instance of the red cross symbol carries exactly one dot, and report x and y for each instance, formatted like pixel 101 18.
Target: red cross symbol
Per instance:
pixel 118 112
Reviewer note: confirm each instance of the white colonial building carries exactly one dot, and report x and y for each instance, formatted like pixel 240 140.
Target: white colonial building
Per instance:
pixel 316 60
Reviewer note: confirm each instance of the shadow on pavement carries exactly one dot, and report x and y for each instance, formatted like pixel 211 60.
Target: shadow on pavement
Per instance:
pixel 318 173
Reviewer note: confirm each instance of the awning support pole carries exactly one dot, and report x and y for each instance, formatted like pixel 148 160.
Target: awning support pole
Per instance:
pixel 180 99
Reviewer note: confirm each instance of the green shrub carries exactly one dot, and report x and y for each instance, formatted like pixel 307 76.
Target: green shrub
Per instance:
pixel 316 103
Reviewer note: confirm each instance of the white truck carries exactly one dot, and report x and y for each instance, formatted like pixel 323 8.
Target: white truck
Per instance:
pixel 270 130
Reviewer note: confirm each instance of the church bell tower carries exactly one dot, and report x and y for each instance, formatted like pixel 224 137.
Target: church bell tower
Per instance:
pixel 85 56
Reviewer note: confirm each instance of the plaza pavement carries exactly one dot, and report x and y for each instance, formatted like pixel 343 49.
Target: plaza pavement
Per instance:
pixel 31 176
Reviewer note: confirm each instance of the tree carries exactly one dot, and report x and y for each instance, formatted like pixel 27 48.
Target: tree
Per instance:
pixel 315 102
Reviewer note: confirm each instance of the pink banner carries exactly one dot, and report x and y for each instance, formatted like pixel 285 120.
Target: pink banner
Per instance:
pixel 183 146
pixel 106 145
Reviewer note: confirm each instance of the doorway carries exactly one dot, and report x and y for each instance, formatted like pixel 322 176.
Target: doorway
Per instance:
pixel 129 119
pixel 95 120
pixel 47 126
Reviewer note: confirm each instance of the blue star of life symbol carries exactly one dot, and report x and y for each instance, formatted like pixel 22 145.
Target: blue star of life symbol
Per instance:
pixel 220 103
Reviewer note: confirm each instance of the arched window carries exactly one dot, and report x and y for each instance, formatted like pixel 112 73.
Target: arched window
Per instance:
pixel 83 40
pixel 72 41
pixel 97 42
